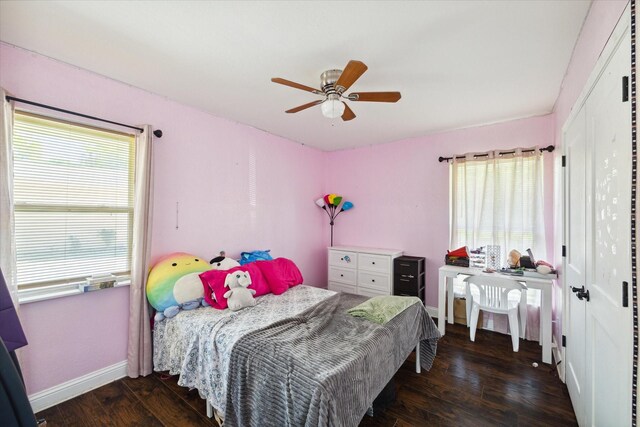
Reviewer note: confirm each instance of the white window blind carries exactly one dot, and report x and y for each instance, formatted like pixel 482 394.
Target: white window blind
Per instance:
pixel 73 194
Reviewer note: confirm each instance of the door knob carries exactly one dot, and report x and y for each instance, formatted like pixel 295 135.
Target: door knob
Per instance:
pixel 580 289
pixel 583 295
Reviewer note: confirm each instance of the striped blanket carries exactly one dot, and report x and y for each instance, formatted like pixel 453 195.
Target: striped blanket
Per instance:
pixel 322 367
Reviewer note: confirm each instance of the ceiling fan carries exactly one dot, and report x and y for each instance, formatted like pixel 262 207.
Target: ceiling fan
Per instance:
pixel 333 84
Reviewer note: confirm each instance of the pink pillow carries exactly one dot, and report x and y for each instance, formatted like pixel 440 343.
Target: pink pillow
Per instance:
pixel 213 282
pixel 281 274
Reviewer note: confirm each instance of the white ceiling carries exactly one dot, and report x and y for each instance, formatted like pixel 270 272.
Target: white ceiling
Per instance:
pixel 456 63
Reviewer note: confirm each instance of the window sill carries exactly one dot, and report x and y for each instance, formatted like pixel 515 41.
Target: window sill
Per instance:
pixel 36 295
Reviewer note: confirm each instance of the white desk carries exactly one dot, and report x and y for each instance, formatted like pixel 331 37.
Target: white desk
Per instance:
pixel 445 287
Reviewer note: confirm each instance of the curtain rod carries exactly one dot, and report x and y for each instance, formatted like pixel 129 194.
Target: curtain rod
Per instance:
pixel 548 148
pixel 157 132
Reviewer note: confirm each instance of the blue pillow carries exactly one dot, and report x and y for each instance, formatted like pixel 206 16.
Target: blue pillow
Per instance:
pixel 247 257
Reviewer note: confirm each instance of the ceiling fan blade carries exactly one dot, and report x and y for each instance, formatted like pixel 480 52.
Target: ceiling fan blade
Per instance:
pixel 348 113
pixel 351 73
pixel 375 96
pixel 305 106
pixel 295 85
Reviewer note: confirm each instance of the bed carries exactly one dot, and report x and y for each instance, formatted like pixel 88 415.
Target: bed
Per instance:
pixel 293 359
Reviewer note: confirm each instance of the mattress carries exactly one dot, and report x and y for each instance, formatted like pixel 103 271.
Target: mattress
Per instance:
pixel 197 344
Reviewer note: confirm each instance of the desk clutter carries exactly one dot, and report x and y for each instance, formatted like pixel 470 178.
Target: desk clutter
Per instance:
pixel 488 258
pixel 458 257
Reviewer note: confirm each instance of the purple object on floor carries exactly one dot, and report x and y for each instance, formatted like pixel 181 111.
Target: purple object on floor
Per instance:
pixel 10 328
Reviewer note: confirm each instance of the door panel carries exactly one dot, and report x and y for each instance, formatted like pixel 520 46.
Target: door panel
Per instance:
pixel 609 333
pixel 611 403
pixel 575 140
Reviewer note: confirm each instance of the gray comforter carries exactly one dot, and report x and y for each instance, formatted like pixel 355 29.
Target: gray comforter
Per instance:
pixel 322 367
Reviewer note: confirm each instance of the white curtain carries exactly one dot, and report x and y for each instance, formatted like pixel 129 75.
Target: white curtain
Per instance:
pixel 139 352
pixel 499 200
pixel 7 245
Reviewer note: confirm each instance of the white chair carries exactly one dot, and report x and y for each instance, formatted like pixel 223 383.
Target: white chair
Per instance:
pixel 523 308
pixel 494 298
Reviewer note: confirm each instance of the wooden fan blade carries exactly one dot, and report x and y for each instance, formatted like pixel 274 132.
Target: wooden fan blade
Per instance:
pixel 351 73
pixel 295 85
pixel 348 114
pixel 375 96
pixel 305 106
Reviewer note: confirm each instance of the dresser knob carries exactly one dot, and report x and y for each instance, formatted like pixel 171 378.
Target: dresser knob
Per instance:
pixel 342 275
pixel 373 262
pixel 373 280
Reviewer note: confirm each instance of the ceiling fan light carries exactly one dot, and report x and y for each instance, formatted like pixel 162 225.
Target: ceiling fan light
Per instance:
pixel 332 108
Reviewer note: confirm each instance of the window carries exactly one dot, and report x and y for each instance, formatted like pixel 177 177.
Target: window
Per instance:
pixel 498 200
pixel 73 196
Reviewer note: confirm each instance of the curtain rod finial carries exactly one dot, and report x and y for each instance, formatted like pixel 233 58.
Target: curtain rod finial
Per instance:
pixel 441 159
pixel 157 133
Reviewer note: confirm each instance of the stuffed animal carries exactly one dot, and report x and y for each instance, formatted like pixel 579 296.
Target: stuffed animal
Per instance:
pixel 223 263
pixel 513 260
pixel 248 257
pixel 239 296
pixel 174 284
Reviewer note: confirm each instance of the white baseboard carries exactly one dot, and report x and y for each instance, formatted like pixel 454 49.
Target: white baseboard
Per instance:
pixel 433 311
pixel 52 396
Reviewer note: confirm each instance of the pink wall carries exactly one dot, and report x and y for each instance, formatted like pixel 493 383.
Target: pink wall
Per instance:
pixel 73 336
pixel 600 22
pixel 598 26
pixel 401 192
pixel 239 189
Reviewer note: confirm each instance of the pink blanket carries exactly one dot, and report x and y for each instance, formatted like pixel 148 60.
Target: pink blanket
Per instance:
pixel 280 273
pixel 274 276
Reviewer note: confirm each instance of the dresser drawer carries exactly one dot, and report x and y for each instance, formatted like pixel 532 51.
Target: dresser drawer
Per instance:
pixel 342 275
pixel 371 292
pixel 341 287
pixel 419 294
pixel 374 281
pixel 343 259
pixel 375 263
pixel 406 268
pixel 403 285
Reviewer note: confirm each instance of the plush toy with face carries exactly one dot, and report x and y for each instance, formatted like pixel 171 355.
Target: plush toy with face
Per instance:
pixel 174 284
pixel 239 295
pixel 223 263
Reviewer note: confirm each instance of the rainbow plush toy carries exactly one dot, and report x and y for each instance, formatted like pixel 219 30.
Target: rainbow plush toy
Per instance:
pixel 174 284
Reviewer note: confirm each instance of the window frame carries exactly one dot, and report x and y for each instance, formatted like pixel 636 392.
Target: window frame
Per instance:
pixel 37 291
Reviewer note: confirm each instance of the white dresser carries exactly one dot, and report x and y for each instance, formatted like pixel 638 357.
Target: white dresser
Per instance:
pixel 362 271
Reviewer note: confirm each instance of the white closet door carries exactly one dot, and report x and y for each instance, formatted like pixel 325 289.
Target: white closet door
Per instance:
pixel 575 140
pixel 608 323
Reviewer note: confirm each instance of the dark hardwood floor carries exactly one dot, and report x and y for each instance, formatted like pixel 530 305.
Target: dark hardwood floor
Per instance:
pixel 475 384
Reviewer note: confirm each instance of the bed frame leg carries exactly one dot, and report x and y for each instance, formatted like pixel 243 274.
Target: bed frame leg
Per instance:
pixel 209 409
pixel 418 370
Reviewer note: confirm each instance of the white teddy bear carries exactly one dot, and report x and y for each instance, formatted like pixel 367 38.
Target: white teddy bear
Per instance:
pixel 239 295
